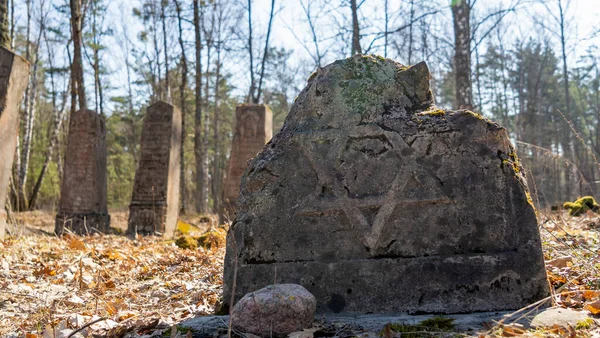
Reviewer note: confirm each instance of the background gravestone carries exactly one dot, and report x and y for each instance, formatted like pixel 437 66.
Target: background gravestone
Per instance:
pixel 83 200
pixel 14 72
pixel 253 128
pixel 155 200
pixel 376 201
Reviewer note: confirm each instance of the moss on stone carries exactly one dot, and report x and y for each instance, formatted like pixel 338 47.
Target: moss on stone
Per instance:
pixel 581 206
pixel 426 328
pixel 212 239
pixel 433 112
pixel 187 242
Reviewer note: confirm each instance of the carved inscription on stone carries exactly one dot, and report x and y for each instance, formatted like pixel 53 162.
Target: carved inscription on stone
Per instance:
pixel 375 200
pixel 155 199
pixel 83 201
pixel 13 79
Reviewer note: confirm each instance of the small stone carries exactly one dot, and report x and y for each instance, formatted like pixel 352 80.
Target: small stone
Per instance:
pixel 560 262
pixel 558 316
pixel 276 310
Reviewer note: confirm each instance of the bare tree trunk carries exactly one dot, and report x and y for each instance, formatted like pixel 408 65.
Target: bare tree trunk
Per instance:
pixel 164 28
pixel 201 190
pixel 410 31
pixel 216 162
pixel 77 66
pixel 355 29
pixel 387 28
pixel 12 24
pixel 265 54
pixel 158 93
pixel 5 37
pixel 318 57
pixel 30 118
pixel 182 89
pixel 59 116
pixel 462 54
pixel 209 38
pixel 250 51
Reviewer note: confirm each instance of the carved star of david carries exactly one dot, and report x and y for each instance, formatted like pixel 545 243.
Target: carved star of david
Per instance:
pixel 341 202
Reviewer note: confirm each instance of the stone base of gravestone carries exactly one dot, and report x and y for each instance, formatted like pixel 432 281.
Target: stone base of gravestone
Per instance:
pixel 377 201
pixel 253 129
pixel 148 219
pixel 82 223
pixel 83 201
pixel 154 204
pixel 13 79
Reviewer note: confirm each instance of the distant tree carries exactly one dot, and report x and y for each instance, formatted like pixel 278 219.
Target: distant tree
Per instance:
pixel 461 12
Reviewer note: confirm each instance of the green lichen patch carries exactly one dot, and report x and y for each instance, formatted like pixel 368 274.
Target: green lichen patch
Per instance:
pixel 428 328
pixel 581 206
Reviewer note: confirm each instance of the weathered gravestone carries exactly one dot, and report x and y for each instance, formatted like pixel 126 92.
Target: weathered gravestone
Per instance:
pixel 376 201
pixel 14 72
pixel 83 200
pixel 155 200
pixel 253 128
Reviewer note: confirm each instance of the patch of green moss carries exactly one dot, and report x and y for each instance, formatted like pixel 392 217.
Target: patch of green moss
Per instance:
pixel 581 206
pixel 584 324
pixel 474 114
pixel 426 328
pixel 187 242
pixel 212 239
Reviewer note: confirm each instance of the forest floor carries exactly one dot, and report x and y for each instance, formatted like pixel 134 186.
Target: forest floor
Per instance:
pixel 52 287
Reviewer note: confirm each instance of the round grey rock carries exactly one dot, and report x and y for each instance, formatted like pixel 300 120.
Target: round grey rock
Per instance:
pixel 275 310
pixel 558 316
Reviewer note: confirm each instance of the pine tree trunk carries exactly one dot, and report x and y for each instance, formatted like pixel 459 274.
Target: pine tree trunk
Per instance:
pixel 5 40
pixel 182 89
pixel 355 29
pixel 77 66
pixel 198 144
pixel 164 29
pixel 462 54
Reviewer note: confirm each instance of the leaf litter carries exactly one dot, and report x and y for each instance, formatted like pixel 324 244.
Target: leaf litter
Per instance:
pixel 51 287
pixel 111 285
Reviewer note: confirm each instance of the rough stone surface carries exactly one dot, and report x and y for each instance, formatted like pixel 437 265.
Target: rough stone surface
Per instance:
pixel 558 316
pixel 253 129
pixel 83 200
pixel 376 201
pixel 155 200
pixel 13 80
pixel 279 309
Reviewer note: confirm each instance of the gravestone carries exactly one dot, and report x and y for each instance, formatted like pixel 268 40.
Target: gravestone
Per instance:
pixel 376 201
pixel 155 200
pixel 83 200
pixel 14 72
pixel 253 129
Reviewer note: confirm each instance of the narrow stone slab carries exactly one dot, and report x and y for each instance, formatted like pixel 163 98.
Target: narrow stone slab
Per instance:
pixel 14 72
pixel 155 200
pixel 377 201
pixel 83 199
pixel 253 129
